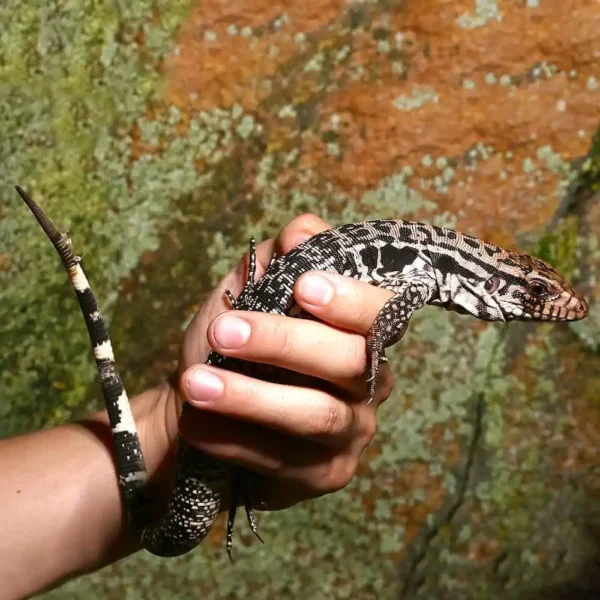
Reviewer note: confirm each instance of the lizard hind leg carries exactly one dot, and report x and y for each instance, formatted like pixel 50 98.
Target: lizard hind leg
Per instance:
pixel 240 495
pixel 251 518
pixel 231 520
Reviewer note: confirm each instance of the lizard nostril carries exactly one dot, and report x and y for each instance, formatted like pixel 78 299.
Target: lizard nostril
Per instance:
pixel 582 307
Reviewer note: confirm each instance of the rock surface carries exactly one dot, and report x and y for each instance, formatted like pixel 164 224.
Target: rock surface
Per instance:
pixel 482 481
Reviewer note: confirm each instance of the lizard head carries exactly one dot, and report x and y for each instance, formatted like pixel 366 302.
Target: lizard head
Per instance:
pixel 525 287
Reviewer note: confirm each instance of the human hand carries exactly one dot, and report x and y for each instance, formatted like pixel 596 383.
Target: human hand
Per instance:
pixel 304 440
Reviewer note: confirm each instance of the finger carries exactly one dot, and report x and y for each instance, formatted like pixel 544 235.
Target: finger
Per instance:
pixel 340 301
pixel 299 230
pixel 295 232
pixel 277 493
pixel 194 349
pixel 310 467
pixel 301 412
pixel 322 473
pixel 304 346
pixel 244 444
pixel 268 494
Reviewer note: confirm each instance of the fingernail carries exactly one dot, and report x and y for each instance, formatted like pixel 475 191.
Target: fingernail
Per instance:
pixel 231 332
pixel 203 385
pixel 315 289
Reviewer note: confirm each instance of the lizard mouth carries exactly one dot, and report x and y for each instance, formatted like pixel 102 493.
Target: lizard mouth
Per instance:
pixel 564 307
pixel 567 307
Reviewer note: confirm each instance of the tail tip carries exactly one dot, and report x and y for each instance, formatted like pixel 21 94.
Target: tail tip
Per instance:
pixel 47 225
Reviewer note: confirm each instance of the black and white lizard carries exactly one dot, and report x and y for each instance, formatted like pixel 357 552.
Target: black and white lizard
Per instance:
pixel 421 264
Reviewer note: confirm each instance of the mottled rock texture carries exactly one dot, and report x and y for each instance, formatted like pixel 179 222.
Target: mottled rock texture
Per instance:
pixel 202 124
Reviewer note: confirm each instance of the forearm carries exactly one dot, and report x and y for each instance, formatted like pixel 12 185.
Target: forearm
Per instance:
pixel 61 512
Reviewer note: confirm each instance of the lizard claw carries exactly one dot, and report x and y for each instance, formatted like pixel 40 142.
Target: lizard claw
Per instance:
pixel 372 380
pixel 230 297
pixel 372 389
pixel 252 520
pixel 229 535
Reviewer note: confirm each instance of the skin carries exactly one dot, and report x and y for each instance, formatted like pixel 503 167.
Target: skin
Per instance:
pixel 60 503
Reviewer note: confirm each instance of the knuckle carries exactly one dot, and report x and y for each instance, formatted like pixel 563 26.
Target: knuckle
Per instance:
pixel 331 424
pixel 341 471
pixel 329 421
pixel 280 342
pixel 332 473
pixel 368 429
pixel 335 421
pixel 250 393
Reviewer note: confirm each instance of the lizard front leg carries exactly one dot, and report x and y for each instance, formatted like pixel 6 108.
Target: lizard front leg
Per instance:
pixel 392 321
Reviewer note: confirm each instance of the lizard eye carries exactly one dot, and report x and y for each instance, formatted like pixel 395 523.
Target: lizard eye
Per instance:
pixel 492 284
pixel 537 289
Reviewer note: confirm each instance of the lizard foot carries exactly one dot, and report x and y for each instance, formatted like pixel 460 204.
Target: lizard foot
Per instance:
pixel 239 490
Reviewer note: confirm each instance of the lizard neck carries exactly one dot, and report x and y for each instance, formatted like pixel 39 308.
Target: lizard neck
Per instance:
pixel 460 277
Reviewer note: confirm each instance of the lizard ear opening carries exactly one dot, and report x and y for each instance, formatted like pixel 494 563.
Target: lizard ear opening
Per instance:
pixel 492 284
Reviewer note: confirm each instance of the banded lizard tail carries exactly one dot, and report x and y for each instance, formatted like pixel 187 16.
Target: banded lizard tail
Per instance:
pixel 421 264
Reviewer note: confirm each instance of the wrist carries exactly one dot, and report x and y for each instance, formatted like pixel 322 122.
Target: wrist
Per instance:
pixel 156 413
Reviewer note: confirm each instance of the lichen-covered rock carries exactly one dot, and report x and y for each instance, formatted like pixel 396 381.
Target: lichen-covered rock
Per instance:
pixel 201 124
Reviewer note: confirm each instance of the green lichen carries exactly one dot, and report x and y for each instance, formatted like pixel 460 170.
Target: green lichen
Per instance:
pixel 70 97
pixel 553 161
pixel 528 165
pixel 485 11
pixel 559 247
pixel 450 375
pixel 588 175
pixel 68 93
pixel 543 70
pixel 420 95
